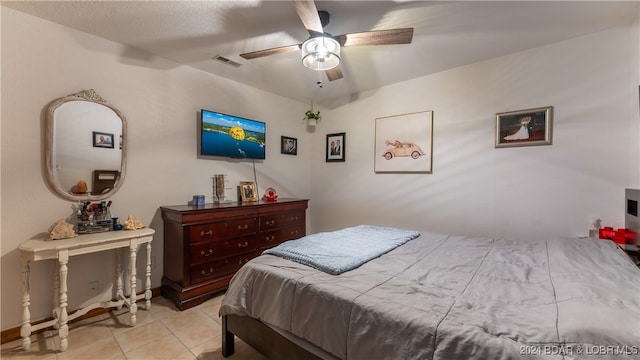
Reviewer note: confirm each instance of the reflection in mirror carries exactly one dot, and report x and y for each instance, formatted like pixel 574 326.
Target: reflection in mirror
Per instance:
pixel 85 152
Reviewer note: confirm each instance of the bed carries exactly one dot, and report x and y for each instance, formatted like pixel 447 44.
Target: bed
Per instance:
pixel 440 296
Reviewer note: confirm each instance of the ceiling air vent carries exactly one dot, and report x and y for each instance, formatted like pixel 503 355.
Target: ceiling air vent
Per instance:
pixel 226 61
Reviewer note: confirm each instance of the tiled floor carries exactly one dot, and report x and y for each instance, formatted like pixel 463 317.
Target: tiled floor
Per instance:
pixel 163 332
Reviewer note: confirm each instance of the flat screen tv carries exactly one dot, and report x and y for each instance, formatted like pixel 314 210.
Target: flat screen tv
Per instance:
pixel 231 136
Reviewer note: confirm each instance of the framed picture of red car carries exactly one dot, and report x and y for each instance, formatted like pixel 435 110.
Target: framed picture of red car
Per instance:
pixel 404 143
pixel 524 127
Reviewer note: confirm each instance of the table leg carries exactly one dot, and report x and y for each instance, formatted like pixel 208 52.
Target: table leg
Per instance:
pixel 119 291
pixel 147 291
pixel 63 331
pixel 56 299
pixel 25 329
pixel 133 308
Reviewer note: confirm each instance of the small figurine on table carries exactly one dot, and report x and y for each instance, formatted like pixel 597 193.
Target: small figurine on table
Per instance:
pixel 270 195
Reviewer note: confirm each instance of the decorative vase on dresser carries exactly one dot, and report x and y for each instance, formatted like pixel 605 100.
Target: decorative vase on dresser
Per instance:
pixel 204 246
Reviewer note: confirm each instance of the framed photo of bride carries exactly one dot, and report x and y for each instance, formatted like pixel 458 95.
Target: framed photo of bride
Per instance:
pixel 524 127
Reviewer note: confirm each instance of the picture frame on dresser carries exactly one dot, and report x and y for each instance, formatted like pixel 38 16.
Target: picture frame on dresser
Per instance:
pixel 248 191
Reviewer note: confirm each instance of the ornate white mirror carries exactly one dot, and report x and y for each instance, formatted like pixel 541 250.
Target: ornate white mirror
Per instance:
pixel 85 147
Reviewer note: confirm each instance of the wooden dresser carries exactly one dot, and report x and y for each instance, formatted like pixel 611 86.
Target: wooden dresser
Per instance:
pixel 204 246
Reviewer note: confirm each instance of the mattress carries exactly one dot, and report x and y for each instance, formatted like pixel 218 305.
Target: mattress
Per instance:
pixel 449 297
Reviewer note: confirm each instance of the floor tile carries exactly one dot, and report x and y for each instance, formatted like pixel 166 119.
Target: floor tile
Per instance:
pixel 163 332
pixel 101 349
pixel 139 336
pixel 192 327
pixel 164 348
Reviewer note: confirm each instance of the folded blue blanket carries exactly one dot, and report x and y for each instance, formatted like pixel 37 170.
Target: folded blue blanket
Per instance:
pixel 338 251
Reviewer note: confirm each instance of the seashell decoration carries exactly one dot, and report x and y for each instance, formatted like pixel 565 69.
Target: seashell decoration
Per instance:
pixel 82 187
pixel 61 229
pixel 132 223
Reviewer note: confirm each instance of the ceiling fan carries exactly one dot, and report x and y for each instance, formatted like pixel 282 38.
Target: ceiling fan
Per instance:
pixel 321 51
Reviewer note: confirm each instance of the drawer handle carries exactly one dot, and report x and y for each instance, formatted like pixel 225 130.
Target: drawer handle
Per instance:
pixel 294 232
pixel 294 218
pixel 270 238
pixel 243 227
pixel 206 273
pixel 208 233
pixel 209 253
pixel 244 244
pixel 241 261
pixel 270 222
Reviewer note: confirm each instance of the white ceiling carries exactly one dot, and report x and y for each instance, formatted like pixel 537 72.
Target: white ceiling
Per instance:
pixel 447 34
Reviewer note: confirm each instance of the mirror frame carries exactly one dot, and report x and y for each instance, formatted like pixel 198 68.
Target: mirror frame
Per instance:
pixel 50 174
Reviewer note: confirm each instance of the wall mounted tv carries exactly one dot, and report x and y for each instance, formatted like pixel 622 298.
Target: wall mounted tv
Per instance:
pixel 231 136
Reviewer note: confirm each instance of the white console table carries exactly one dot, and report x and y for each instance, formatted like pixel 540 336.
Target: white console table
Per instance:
pixel 40 249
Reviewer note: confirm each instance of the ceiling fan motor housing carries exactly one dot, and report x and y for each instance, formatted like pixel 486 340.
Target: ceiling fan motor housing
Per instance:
pixel 324 17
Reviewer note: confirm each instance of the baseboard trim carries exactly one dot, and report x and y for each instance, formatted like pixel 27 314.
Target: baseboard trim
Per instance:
pixel 14 333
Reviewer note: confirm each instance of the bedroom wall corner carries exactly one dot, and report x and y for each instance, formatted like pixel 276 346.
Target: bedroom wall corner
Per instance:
pixel 42 61
pixel 532 192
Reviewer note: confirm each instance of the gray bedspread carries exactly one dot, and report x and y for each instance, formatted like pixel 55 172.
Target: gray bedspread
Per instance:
pixel 449 297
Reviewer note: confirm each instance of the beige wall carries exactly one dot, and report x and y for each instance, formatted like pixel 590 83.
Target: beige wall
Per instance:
pixel 42 61
pixel 476 189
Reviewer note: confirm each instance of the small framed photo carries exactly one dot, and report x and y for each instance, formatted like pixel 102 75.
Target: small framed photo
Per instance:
pixel 288 145
pixel 103 140
pixel 336 147
pixel 524 127
pixel 248 191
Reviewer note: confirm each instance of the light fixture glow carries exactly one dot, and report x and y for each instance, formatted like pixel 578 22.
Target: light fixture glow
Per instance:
pixel 321 53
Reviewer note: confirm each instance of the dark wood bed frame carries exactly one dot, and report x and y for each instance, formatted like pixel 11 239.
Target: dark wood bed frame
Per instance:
pixel 261 337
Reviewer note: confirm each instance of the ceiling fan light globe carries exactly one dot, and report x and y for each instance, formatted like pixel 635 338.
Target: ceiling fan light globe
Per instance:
pixel 321 53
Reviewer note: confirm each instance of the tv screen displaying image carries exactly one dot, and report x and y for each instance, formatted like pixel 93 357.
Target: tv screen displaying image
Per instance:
pixel 231 136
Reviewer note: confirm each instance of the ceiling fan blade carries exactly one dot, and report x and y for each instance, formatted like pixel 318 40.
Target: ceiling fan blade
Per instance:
pixel 272 51
pixel 377 37
pixel 308 14
pixel 335 73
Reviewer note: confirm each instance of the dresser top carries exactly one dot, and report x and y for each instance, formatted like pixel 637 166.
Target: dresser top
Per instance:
pixel 231 204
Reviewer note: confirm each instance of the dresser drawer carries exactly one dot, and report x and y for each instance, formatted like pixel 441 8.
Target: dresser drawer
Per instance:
pixel 217 230
pixel 207 251
pixel 272 238
pixel 204 246
pixel 219 268
pixel 274 221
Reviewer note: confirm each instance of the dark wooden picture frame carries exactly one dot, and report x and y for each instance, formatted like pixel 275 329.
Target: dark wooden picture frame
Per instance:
pixel 102 140
pixel 288 145
pixel 335 151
